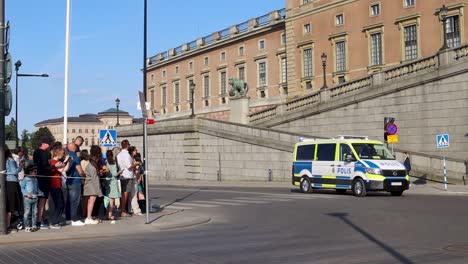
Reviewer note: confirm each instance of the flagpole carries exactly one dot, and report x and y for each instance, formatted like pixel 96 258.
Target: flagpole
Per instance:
pixel 65 92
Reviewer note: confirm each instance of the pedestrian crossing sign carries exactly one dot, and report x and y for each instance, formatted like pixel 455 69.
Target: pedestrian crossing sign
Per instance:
pixel 107 138
pixel 443 141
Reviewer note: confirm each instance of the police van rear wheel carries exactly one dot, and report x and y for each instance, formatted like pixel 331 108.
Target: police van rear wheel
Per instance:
pixel 397 193
pixel 359 188
pixel 305 185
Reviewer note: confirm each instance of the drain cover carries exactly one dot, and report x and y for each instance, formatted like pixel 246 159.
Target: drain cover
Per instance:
pixel 458 248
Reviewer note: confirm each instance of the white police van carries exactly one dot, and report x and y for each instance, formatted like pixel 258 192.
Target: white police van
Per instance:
pixel 347 163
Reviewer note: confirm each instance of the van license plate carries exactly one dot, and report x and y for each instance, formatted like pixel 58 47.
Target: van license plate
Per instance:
pixel 396 183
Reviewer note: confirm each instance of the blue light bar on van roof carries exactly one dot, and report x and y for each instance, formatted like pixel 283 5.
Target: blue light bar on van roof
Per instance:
pixel 352 137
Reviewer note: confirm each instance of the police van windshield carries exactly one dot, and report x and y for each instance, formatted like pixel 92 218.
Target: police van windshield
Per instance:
pixel 373 151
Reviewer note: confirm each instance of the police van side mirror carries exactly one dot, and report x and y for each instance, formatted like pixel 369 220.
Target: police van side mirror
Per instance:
pixel 350 158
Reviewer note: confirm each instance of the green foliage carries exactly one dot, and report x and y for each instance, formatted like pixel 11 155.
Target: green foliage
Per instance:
pixel 26 142
pixel 10 130
pixel 41 132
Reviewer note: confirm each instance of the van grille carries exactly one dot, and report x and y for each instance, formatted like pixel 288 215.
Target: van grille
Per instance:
pixel 394 173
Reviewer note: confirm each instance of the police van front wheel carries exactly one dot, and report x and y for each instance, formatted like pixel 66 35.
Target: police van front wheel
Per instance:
pixel 305 185
pixel 359 188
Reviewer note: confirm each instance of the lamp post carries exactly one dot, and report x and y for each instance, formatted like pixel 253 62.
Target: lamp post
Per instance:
pixel 192 92
pixel 443 17
pixel 17 66
pixel 324 66
pixel 117 103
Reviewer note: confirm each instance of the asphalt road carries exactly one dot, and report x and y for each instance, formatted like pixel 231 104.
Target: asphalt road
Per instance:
pixel 275 225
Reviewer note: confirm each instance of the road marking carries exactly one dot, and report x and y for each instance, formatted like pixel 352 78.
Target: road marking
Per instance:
pixel 270 199
pixel 177 207
pixel 305 196
pixel 214 202
pixel 196 205
pixel 240 200
pixel 228 191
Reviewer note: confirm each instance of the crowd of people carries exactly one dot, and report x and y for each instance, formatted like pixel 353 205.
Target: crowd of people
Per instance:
pixel 83 187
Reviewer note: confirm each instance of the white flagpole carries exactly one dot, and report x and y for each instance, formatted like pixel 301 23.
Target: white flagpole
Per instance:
pixel 65 94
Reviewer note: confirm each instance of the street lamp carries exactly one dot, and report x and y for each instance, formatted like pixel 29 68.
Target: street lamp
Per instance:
pixel 324 66
pixel 192 91
pixel 17 66
pixel 443 17
pixel 117 103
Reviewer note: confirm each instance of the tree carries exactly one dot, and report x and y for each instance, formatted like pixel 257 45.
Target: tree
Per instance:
pixel 42 132
pixel 26 142
pixel 10 130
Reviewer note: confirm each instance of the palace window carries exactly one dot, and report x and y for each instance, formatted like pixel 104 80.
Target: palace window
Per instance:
pixel 223 82
pixel 284 75
pixel 164 96
pixel 411 42
pixel 453 31
pixel 262 73
pixel 375 10
pixel 376 49
pixel 409 3
pixel 339 20
pixel 307 56
pixel 206 85
pixel 340 56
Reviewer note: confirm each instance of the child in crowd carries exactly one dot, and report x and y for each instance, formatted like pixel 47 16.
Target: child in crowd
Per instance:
pixel 30 190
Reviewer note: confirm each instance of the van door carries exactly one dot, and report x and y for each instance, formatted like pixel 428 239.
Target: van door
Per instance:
pixel 344 170
pixel 323 168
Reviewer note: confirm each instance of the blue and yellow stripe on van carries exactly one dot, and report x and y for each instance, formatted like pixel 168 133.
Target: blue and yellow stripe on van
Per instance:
pixel 330 181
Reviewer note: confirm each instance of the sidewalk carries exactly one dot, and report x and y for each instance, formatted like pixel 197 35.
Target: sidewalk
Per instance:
pixel 164 220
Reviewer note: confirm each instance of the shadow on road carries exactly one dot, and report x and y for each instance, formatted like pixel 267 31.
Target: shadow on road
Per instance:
pixel 390 250
pixel 161 208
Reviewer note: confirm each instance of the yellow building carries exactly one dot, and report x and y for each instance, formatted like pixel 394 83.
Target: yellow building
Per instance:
pixel 86 125
pixel 284 54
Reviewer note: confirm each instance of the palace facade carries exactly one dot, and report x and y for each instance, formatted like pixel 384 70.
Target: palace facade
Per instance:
pixel 292 52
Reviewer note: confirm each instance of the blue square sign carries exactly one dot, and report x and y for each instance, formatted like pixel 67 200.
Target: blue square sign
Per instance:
pixel 443 141
pixel 107 138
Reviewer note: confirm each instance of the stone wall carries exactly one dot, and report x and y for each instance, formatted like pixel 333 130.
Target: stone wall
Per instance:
pixel 203 149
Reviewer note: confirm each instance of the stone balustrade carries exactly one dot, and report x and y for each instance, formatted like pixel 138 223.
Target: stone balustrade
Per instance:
pixel 303 102
pixel 461 52
pixel 245 27
pixel 351 86
pixel 263 114
pixel 411 68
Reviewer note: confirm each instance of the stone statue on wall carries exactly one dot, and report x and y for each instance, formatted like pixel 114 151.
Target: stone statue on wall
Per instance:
pixel 239 88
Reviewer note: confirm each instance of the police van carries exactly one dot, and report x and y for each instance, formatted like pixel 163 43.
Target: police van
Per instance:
pixel 347 163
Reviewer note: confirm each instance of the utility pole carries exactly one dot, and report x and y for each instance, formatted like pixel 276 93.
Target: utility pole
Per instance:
pixel 3 227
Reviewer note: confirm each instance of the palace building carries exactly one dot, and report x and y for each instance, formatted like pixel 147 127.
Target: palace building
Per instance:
pixel 87 125
pixel 292 52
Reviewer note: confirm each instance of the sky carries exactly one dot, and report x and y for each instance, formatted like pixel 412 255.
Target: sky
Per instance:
pixel 106 48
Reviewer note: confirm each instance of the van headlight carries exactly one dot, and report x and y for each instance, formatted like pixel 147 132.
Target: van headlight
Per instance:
pixel 374 171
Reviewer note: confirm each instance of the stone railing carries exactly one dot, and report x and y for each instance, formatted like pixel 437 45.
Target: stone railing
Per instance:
pixel 411 68
pixel 351 86
pixel 305 101
pixel 441 59
pixel 245 27
pixel 263 114
pixel 461 52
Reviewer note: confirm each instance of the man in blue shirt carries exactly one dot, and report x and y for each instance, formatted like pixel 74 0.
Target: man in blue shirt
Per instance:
pixel 73 186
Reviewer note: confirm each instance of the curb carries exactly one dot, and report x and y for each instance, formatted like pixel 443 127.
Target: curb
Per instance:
pixel 161 222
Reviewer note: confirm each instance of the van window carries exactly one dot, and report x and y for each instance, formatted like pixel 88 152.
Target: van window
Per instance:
pixel 372 151
pixel 326 152
pixel 344 151
pixel 305 152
